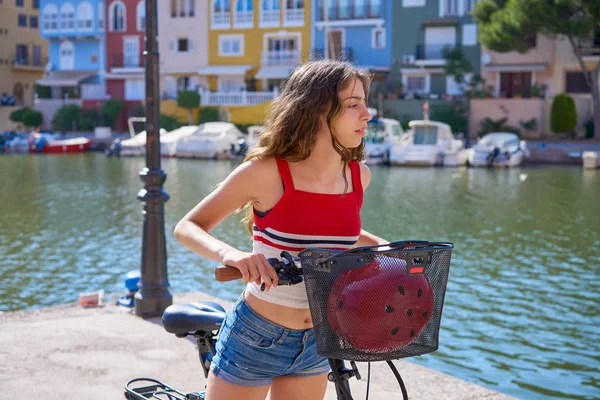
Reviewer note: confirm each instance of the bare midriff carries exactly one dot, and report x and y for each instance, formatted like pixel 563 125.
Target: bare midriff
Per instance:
pixel 288 317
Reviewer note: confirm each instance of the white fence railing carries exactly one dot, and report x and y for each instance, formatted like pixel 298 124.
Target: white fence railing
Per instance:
pixel 293 16
pixel 280 57
pixel 93 92
pixel 235 98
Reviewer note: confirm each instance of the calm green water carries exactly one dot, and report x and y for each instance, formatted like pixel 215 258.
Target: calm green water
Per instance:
pixel 522 308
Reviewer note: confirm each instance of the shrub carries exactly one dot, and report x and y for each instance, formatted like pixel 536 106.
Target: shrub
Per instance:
pixel 189 100
pixel 489 125
pixel 208 114
pixel 168 122
pixel 17 116
pixel 563 114
pixel 453 114
pixel 66 118
pixel 110 111
pixel 89 119
pixel 31 118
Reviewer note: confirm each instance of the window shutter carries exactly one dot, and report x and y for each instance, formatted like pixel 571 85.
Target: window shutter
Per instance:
pixel 190 45
pixel 172 44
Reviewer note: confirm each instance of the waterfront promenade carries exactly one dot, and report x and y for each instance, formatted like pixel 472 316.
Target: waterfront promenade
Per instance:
pixel 67 352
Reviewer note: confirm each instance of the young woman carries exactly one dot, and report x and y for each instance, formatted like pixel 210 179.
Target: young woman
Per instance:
pixel 302 186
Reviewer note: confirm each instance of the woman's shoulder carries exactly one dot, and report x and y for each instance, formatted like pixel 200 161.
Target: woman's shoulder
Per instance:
pixel 259 169
pixel 365 174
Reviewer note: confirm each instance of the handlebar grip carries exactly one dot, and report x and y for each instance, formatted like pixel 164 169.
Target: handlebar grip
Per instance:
pixel 225 273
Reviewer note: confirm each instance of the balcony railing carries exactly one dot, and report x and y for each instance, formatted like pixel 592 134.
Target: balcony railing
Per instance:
pixel 127 61
pixel 244 17
pixel 235 98
pixel 280 57
pixel 293 15
pixel 29 62
pixel 270 17
pixel 368 10
pixel 344 54
pixel 431 51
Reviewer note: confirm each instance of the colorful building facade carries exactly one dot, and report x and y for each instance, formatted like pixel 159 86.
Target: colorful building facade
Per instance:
pixel 253 45
pixel 420 30
pixel 125 32
pixel 23 53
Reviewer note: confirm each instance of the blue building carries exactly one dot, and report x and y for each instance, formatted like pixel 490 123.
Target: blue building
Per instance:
pixel 75 30
pixel 358 31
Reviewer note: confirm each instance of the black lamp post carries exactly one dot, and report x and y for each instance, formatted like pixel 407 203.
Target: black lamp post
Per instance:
pixel 153 295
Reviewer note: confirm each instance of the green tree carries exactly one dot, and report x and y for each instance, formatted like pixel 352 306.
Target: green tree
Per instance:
pixel 188 99
pixel 110 111
pixel 17 116
pixel 208 114
pixel 31 118
pixel 563 114
pixel 504 23
pixel 66 117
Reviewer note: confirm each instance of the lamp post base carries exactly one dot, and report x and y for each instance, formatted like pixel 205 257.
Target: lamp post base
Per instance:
pixel 152 303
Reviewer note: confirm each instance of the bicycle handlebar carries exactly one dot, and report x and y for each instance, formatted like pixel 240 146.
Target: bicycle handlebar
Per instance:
pixel 288 273
pixel 225 273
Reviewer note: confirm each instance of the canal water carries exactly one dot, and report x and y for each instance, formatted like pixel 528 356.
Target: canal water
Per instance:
pixel 522 310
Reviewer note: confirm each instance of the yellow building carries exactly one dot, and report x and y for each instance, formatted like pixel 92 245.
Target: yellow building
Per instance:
pixel 253 45
pixel 23 53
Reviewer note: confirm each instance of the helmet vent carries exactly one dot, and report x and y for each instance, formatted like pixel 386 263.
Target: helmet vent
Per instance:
pixel 425 314
pixel 401 289
pixel 409 313
pixel 340 304
pixel 420 292
pixel 389 309
pixel 412 332
pixel 395 330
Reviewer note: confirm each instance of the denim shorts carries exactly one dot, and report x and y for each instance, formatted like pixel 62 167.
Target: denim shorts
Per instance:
pixel 252 350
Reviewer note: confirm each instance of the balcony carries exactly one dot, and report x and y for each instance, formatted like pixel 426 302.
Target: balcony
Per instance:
pixel 29 63
pixel 242 98
pixel 431 51
pixel 293 17
pixel 368 11
pixel 94 92
pixel 278 57
pixel 127 61
pixel 343 54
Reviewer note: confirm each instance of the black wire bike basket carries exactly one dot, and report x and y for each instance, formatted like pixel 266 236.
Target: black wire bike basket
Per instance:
pixel 374 305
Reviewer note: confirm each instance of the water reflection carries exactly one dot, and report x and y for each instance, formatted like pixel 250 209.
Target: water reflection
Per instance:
pixel 521 311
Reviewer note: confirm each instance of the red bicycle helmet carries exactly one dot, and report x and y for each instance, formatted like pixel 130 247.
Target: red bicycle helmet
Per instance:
pixel 379 307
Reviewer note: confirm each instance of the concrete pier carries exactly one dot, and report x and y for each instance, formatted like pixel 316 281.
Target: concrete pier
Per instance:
pixel 68 352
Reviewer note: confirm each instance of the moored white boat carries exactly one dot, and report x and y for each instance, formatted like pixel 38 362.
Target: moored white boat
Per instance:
pixel 498 149
pixel 428 143
pixel 211 140
pixel 382 134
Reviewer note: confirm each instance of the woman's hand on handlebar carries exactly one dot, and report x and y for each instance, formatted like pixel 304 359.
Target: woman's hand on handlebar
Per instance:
pixel 253 267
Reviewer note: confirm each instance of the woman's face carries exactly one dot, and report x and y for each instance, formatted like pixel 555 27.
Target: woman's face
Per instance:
pixel 350 127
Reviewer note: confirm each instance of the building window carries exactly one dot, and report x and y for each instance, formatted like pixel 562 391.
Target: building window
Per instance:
pixel 282 51
pixel 20 3
pixel 35 4
pixel 67 17
pixel 189 8
pixel 231 45
pixel 37 56
pixel 378 41
pixel 415 84
pixel 450 7
pixel 183 45
pixel 117 13
pixel 269 13
pixel 22 20
pixel 360 9
pixel 220 14
pixel 183 83
pixel 469 5
pixel 244 14
pixel 374 8
pixel 85 16
pixel 294 12
pixel 100 16
pixel 515 83
pixel 343 9
pixel 575 83
pixel 33 21
pixel 22 55
pixel 50 18
pixel 531 41
pixel 141 16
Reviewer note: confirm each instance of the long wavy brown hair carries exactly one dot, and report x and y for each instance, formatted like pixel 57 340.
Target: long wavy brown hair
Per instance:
pixel 294 117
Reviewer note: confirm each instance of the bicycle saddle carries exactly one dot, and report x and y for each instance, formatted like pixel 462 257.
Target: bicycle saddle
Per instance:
pixel 184 318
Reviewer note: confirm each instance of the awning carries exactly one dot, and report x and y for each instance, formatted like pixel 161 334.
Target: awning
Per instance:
pixel 224 70
pixel 274 72
pixel 65 78
pixel 515 67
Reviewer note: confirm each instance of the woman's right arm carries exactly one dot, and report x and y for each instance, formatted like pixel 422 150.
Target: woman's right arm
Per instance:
pixel 243 185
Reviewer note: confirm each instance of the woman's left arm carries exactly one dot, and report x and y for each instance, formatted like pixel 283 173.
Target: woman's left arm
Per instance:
pixel 367 238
